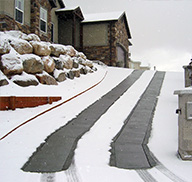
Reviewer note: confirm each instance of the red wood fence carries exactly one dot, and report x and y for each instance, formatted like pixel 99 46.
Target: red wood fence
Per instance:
pixel 13 102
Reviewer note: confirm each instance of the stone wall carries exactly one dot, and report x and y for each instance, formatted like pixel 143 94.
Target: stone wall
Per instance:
pixel 8 23
pixel 35 19
pixel 117 35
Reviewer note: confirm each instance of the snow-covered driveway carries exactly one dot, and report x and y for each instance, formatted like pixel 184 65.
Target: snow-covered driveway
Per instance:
pixel 92 153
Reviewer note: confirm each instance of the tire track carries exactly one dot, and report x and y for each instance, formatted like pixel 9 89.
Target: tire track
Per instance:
pixel 145 175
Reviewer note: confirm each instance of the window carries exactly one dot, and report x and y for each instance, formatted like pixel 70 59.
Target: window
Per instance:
pixel 43 19
pixel 19 10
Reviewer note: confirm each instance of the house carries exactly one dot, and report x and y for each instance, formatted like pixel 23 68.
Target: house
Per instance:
pixel 70 31
pixel 102 36
pixel 106 38
pixel 31 16
pixel 138 65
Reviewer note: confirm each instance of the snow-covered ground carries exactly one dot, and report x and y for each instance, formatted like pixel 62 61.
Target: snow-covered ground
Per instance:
pixel 92 154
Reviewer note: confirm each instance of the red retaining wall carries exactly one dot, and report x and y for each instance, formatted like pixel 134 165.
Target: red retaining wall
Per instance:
pixel 13 102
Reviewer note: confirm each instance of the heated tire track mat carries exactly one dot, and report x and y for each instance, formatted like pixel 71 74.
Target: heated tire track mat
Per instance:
pixel 57 152
pixel 129 147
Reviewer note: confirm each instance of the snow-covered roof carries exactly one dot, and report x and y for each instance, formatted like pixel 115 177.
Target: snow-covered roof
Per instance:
pixel 67 9
pixel 108 16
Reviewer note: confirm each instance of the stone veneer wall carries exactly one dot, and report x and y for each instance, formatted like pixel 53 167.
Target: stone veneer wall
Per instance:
pixel 8 23
pixel 117 34
pixel 35 18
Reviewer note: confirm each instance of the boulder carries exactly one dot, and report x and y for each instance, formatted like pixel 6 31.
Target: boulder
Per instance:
pixel 85 62
pixel 58 63
pixel 67 61
pixel 32 63
pixel 45 78
pixel 59 75
pixel 70 51
pixel 49 64
pixel 41 48
pixel 11 64
pixel 21 46
pixel 75 62
pixel 70 75
pixel 81 55
pixel 3 82
pixel 3 79
pixel 31 37
pixel 83 70
pixel 76 72
pixel 4 46
pixel 25 80
pixel 57 49
pixel 15 33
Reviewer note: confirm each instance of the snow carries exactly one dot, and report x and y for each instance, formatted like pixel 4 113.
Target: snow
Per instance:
pixel 92 154
pixel 108 16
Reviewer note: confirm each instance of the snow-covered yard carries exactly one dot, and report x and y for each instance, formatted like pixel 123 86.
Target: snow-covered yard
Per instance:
pixel 92 154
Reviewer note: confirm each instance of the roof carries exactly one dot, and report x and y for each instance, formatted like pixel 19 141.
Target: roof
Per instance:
pixel 110 16
pixel 107 17
pixel 69 10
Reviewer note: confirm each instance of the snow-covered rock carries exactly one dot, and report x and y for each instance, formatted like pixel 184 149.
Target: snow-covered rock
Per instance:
pixel 67 61
pixel 58 63
pixel 70 51
pixel 31 37
pixel 21 46
pixel 4 45
pixel 32 63
pixel 45 78
pixel 82 55
pixel 25 80
pixel 49 64
pixel 41 48
pixel 70 74
pixel 15 33
pixel 11 63
pixel 59 75
pixel 76 72
pixel 57 49
pixel 75 62
pixel 3 79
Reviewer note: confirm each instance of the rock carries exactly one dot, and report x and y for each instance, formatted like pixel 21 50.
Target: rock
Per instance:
pixel 15 33
pixel 85 62
pixel 3 82
pixel 41 48
pixel 59 75
pixel 21 46
pixel 3 79
pixel 4 46
pixel 31 37
pixel 70 51
pixel 49 64
pixel 67 61
pixel 25 80
pixel 45 78
pixel 76 72
pixel 32 63
pixel 83 70
pixel 11 64
pixel 58 63
pixel 75 62
pixel 57 49
pixel 70 75
pixel 81 55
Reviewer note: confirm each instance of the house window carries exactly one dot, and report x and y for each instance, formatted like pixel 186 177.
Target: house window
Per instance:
pixel 19 10
pixel 43 19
